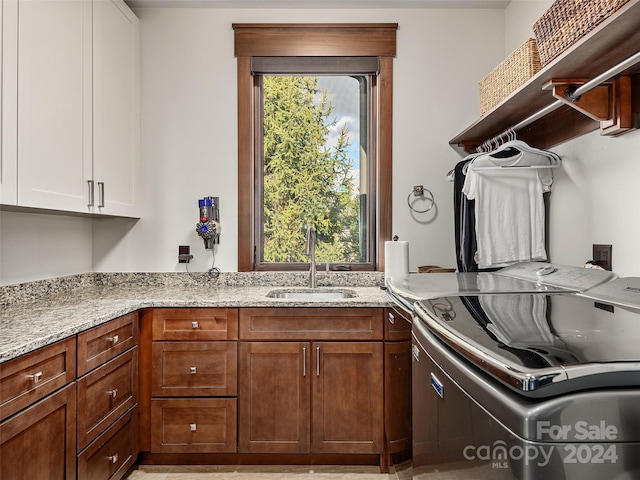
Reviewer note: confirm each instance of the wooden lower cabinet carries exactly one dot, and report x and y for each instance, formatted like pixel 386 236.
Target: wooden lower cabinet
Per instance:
pixel 113 452
pixel 203 425
pixel 397 395
pixel 105 394
pixel 347 398
pixel 310 397
pixel 397 381
pixel 274 397
pixel 40 441
pixel 194 369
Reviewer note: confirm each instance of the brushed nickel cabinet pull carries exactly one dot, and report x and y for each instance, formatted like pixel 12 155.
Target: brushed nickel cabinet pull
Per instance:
pixel 193 427
pixel 304 361
pixel 113 340
pixel 113 393
pixel 194 325
pixel 193 370
pixel 35 378
pixel 100 194
pixel 113 458
pixel 91 196
pixel 318 361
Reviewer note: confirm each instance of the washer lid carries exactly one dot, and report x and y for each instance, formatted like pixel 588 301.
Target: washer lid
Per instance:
pixel 521 277
pixel 420 286
pixel 540 344
pixel 560 276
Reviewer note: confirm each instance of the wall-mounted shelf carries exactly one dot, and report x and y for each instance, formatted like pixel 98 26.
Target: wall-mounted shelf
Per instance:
pixel 612 42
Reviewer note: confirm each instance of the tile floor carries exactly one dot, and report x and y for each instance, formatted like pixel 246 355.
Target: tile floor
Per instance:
pixel 318 472
pixel 276 472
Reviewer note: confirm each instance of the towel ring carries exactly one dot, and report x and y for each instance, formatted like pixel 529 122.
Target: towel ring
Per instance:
pixel 420 193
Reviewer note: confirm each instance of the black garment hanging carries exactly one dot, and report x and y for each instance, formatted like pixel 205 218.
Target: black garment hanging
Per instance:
pixel 465 223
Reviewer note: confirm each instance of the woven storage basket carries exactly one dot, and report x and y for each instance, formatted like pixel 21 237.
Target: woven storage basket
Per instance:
pixel 566 21
pixel 514 70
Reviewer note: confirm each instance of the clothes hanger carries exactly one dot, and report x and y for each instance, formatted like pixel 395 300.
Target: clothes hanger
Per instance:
pixel 520 146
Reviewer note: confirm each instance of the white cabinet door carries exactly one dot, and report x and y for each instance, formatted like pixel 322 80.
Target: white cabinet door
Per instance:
pixel 116 158
pixel 8 102
pixel 54 104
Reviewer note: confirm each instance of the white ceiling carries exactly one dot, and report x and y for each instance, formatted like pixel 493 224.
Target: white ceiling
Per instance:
pixel 320 3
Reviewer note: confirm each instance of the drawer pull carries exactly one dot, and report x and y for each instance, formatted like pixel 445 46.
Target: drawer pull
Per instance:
pixel 113 393
pixel 194 325
pixel 193 427
pixel 35 378
pixel 193 370
pixel 113 458
pixel 113 340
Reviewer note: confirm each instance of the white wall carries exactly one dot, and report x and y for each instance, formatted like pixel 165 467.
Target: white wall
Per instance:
pixel 189 149
pixel 189 125
pixel 37 246
pixel 594 194
pixel 520 15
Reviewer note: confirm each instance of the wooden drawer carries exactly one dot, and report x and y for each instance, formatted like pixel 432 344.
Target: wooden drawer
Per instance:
pixel 311 324
pixel 195 324
pixel 191 369
pixel 193 426
pixel 397 324
pixel 102 343
pixel 105 394
pixel 31 377
pixel 113 452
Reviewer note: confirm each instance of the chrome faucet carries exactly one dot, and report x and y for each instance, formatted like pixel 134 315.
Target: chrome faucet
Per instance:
pixel 310 250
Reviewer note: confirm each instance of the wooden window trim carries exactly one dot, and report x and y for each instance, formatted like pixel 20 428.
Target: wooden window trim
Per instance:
pixel 305 40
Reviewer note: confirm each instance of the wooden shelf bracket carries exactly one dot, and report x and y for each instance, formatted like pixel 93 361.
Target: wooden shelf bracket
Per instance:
pixel 608 103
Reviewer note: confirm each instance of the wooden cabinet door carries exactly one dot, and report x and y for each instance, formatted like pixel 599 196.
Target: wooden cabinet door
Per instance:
pixel 397 395
pixel 116 155
pixel 54 104
pixel 40 442
pixel 274 397
pixel 347 397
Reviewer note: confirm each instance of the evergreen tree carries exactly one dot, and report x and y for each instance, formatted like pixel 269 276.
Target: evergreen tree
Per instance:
pixel 306 181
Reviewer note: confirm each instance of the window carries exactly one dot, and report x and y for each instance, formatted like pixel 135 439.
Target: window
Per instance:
pixel 313 145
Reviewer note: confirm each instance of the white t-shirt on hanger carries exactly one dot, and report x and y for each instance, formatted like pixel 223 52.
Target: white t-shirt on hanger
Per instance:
pixel 509 208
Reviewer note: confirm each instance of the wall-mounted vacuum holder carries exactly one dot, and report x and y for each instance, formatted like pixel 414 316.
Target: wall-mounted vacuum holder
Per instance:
pixel 209 225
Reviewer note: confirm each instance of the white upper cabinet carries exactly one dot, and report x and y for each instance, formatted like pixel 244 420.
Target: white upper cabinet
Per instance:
pixel 77 145
pixel 116 109
pixel 8 101
pixel 54 104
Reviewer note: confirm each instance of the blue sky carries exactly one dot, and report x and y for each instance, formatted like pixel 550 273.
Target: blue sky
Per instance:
pixel 344 94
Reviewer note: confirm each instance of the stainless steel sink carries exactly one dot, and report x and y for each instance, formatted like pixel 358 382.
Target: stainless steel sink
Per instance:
pixel 310 294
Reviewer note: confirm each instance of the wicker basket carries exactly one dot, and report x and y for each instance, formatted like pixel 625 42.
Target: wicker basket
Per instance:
pixel 566 21
pixel 515 70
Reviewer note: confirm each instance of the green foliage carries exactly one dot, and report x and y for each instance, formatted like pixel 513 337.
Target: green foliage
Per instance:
pixel 306 181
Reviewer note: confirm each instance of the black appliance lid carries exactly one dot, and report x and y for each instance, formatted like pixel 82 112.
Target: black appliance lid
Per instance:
pixel 542 344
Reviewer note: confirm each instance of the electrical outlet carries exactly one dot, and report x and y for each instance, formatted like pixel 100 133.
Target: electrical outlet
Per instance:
pixel 602 256
pixel 184 254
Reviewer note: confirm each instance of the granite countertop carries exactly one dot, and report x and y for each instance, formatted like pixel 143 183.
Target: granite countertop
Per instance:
pixel 40 313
